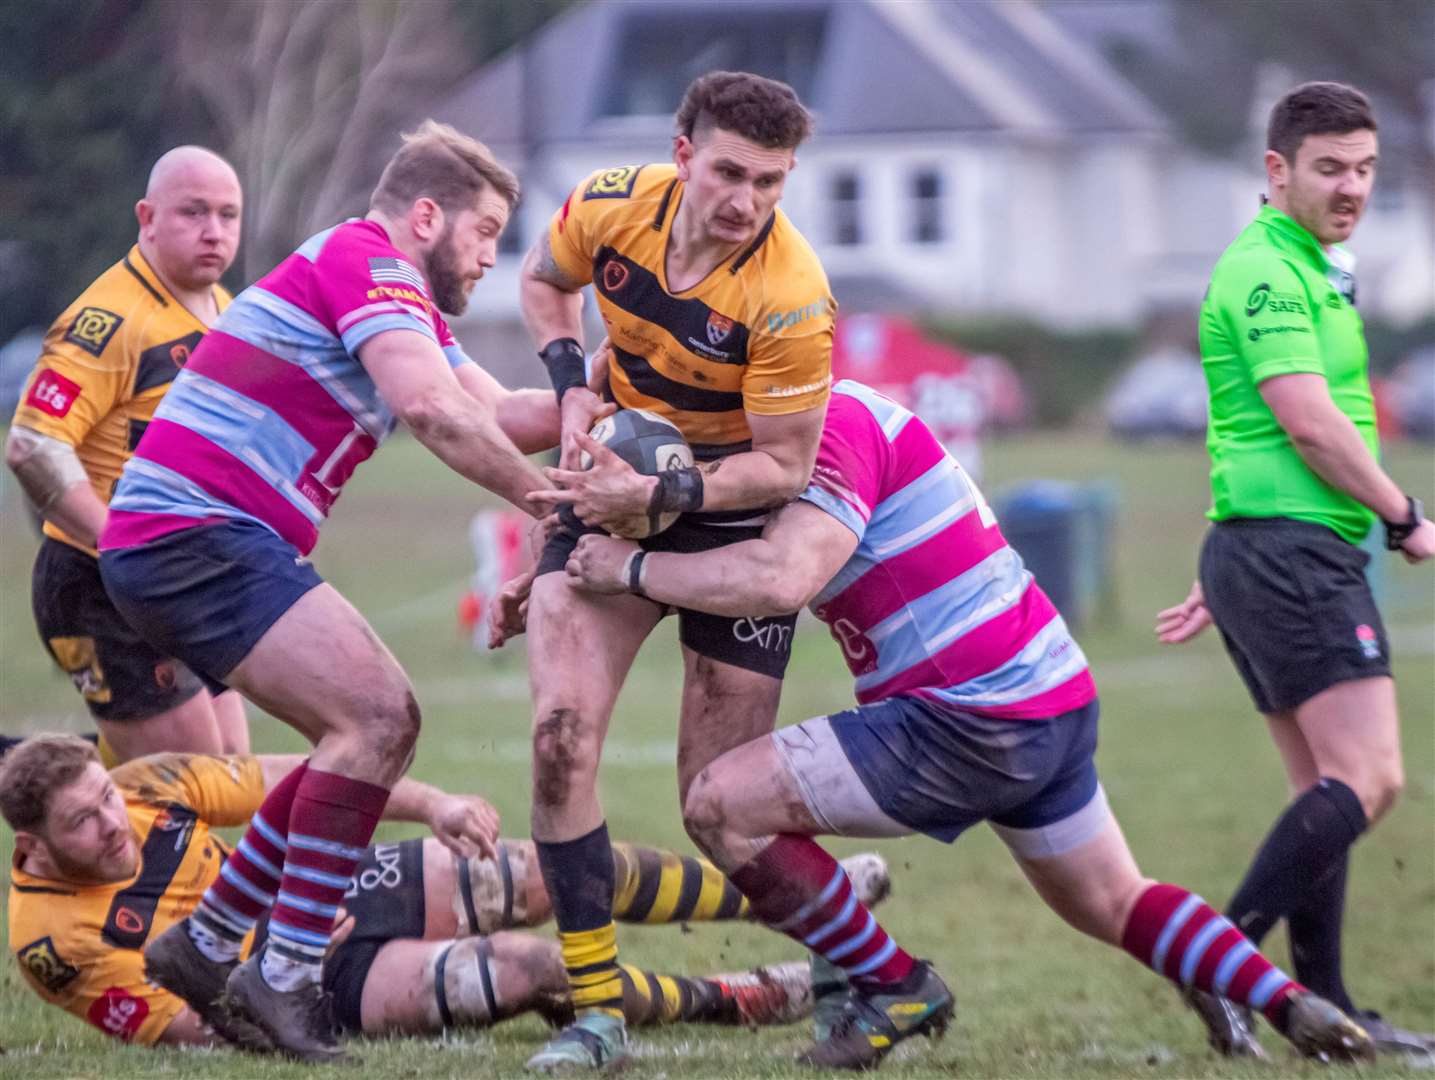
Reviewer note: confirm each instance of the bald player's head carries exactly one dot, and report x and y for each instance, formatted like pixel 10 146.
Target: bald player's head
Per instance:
pixel 189 218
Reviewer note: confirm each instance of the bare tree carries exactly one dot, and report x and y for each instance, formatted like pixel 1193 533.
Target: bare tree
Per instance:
pixel 310 97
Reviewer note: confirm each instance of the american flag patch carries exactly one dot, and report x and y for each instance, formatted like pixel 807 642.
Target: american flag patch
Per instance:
pixel 396 272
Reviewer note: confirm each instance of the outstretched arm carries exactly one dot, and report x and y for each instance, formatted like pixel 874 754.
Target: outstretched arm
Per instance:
pixel 800 551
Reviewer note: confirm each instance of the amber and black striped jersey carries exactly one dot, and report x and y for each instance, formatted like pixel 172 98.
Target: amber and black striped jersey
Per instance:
pixel 80 946
pixel 106 363
pixel 754 336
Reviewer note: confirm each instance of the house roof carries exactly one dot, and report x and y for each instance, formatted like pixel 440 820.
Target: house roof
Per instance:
pixel 863 66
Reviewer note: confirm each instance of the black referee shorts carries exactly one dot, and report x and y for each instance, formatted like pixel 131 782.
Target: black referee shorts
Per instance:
pixel 763 645
pixel 1293 606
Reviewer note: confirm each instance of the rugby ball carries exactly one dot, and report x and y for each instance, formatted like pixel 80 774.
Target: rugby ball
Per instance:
pixel 650 444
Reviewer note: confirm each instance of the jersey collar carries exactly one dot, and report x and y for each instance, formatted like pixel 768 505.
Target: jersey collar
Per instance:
pixel 1336 262
pixel 141 271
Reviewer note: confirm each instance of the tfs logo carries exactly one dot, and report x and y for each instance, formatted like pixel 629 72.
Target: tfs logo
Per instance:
pixel 53 393
pixel 119 1013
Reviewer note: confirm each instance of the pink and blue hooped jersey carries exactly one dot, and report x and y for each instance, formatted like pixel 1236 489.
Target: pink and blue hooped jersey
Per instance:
pixel 933 603
pixel 273 412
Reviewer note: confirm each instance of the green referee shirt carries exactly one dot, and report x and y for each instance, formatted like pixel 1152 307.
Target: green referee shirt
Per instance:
pixel 1277 304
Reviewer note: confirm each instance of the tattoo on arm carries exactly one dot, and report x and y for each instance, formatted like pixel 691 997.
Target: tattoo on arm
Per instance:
pixel 542 265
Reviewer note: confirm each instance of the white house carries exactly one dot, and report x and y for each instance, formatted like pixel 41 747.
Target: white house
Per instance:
pixel 969 156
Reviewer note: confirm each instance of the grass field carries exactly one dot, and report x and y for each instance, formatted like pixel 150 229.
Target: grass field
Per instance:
pixel 1188 767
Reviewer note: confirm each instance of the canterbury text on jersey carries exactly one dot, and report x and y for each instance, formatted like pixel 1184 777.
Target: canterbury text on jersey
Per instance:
pixel 81 946
pixel 933 603
pixel 274 411
pixel 754 336
pixel 106 363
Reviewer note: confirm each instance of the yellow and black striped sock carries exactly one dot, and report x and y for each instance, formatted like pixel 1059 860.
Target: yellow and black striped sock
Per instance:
pixel 591 957
pixel 656 886
pixel 650 999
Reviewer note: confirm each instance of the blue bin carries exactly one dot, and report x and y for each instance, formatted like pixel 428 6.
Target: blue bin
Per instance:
pixel 1064 534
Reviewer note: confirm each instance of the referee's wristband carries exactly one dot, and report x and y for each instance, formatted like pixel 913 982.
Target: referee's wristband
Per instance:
pixel 1397 532
pixel 564 359
pixel 678 491
pixel 634 572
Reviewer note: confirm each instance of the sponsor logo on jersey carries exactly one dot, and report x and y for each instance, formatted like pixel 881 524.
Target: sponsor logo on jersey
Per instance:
pixel 613 183
pixel 1255 333
pixel 781 320
pixel 1263 298
pixel 119 1013
pixel 409 296
pixel 43 963
pixel 52 393
pixel 92 329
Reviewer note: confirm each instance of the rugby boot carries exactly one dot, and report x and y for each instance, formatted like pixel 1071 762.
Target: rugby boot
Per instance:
pixel 173 962
pixel 870 877
pixel 300 1023
pixel 596 1042
pixel 1415 1050
pixel 830 991
pixel 1319 1030
pixel 1230 1028
pixel 872 1023
pixel 776 994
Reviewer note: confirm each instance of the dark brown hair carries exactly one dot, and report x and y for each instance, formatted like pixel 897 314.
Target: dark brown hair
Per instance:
pixel 1316 108
pixel 763 110
pixel 448 166
pixel 35 770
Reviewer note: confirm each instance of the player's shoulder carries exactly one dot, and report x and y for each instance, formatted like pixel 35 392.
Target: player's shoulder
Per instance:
pixel 795 295
pixel 121 297
pixel 626 183
pixel 159 779
pixel 53 933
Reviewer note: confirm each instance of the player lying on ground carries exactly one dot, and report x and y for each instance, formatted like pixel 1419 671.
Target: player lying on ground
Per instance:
pixel 104 860
pixel 975 705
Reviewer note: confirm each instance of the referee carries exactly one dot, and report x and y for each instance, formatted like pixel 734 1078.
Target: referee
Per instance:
pixel 1296 485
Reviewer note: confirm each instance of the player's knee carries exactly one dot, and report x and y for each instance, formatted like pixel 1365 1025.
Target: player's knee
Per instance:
pixel 564 759
pixel 1382 791
pixel 703 814
pixel 462 979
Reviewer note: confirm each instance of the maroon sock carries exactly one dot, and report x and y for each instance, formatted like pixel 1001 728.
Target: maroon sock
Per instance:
pixel 332 821
pixel 1179 935
pixel 796 887
pixel 249 879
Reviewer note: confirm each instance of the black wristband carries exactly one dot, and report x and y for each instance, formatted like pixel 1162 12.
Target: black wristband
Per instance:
pixel 563 357
pixel 1397 532
pixel 678 490
pixel 635 572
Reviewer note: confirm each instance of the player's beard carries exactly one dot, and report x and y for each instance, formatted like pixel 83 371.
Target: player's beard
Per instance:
pixel 445 279
pixel 90 872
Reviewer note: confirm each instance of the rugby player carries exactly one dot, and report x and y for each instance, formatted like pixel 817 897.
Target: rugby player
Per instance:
pixel 106 363
pixel 205 551
pixel 975 704
pixel 720 319
pixel 105 861
pixel 1296 486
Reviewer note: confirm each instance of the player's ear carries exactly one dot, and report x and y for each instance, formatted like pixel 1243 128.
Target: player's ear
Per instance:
pixel 1277 169
pixel 27 843
pixel 426 219
pixel 144 213
pixel 683 150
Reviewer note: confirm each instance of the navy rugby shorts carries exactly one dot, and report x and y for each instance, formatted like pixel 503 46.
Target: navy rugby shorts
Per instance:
pixel 208 594
pixel 904 765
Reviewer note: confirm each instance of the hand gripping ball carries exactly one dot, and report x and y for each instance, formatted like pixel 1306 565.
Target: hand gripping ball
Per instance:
pixel 650 444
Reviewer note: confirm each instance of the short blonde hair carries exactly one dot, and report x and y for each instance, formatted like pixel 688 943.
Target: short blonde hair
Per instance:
pixel 444 164
pixel 35 770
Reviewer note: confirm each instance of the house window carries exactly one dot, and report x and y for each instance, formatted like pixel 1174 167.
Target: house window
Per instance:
pixel 925 190
pixel 846 209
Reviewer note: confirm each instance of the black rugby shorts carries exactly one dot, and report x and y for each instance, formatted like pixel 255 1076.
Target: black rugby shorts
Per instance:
pixel 1294 608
